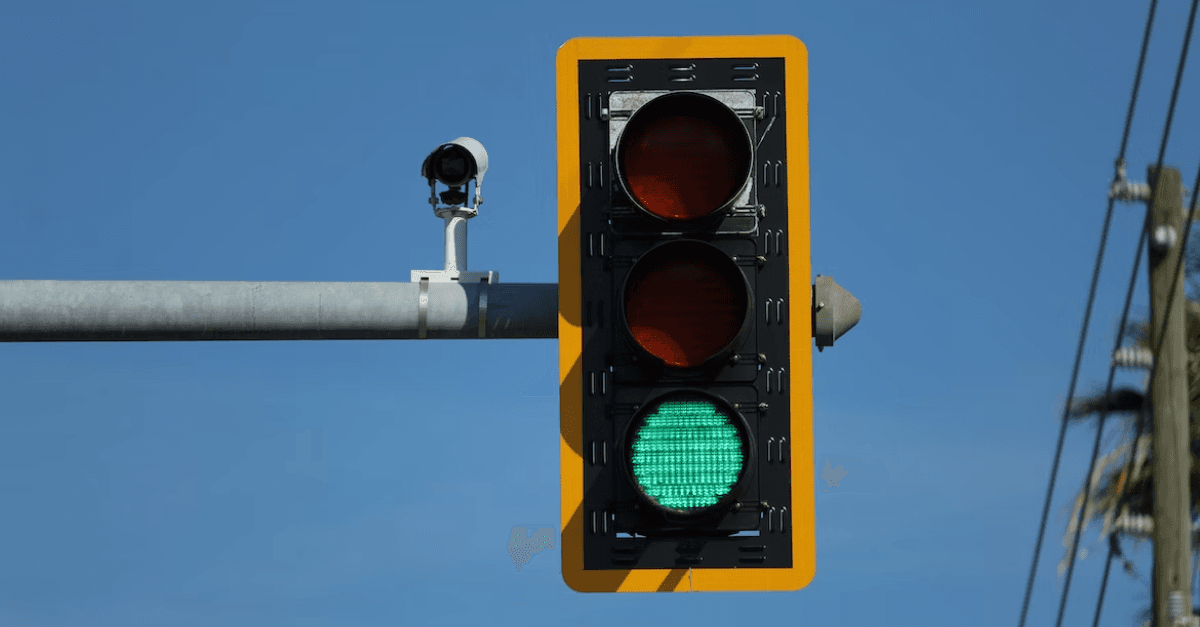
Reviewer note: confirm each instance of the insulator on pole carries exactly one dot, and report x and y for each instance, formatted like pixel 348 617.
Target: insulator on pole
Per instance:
pixel 1133 357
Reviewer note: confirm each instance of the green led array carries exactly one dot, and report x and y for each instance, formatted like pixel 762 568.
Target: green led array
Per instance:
pixel 687 454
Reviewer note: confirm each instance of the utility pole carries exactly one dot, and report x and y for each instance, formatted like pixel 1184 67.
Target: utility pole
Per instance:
pixel 1169 401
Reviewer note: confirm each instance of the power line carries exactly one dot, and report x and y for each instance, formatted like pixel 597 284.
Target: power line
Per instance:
pixel 1087 316
pixel 1112 371
pixel 1170 298
pixel 1113 550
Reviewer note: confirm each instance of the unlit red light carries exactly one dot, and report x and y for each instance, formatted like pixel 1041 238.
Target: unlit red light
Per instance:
pixel 684 156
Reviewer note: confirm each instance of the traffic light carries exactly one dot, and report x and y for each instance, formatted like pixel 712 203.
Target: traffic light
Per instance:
pixel 686 314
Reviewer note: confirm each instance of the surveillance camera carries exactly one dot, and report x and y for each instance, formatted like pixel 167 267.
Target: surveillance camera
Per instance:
pixel 455 163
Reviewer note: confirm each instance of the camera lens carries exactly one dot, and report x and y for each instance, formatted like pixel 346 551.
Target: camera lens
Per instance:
pixel 452 166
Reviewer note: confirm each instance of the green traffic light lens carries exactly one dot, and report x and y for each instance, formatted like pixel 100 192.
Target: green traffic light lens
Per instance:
pixel 687 453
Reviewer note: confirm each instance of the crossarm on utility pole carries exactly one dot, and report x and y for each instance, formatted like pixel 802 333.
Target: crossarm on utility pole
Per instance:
pixel 228 310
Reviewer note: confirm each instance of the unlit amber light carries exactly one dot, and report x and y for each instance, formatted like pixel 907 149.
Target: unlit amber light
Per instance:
pixel 685 303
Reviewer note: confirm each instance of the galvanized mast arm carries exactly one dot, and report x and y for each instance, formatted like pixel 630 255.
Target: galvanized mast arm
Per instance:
pixel 226 310
pixel 71 311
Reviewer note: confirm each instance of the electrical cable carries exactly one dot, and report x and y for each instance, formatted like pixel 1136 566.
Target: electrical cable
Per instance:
pixel 1087 482
pixel 1087 316
pixel 1154 187
pixel 1103 583
pixel 1114 548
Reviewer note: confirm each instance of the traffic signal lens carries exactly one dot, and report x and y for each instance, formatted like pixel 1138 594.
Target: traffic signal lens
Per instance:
pixel 686 303
pixel 684 156
pixel 687 453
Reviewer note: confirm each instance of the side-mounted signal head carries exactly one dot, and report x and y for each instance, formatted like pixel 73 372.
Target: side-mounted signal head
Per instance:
pixel 684 155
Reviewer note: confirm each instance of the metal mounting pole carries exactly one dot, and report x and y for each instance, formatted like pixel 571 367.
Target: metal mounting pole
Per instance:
pixel 456 242
pixel 455 219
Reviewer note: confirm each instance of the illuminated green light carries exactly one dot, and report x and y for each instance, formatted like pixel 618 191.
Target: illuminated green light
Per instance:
pixel 687 454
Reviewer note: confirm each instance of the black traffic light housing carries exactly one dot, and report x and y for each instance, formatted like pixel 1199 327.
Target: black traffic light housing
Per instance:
pixel 681 240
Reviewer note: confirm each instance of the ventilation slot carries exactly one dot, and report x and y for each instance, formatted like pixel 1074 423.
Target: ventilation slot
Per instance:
pixel 771 104
pixel 682 73
pixel 620 73
pixel 745 72
pixel 600 453
pixel 593 239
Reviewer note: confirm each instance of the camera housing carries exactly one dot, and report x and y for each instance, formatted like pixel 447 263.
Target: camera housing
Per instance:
pixel 455 164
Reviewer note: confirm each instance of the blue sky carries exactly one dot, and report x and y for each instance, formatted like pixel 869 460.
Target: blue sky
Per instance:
pixel 960 156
